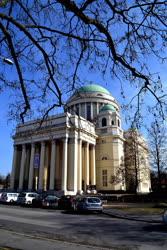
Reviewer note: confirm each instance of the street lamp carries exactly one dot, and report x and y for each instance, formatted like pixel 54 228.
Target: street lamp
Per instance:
pixel 7 60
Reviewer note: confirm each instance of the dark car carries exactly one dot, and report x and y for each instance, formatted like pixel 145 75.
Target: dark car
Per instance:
pixel 50 201
pixel 85 204
pixel 66 202
pixel 37 202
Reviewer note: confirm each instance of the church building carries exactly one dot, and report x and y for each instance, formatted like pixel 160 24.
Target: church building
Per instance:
pixel 80 150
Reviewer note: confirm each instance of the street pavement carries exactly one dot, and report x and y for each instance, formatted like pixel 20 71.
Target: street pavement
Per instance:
pixel 113 229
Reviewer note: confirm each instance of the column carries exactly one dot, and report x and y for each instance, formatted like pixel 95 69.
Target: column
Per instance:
pixel 97 108
pixel 87 164
pixel 23 157
pixel 46 164
pixel 72 175
pixel 79 180
pixel 41 168
pixel 31 171
pixel 91 110
pixel 93 166
pixel 12 180
pixel 64 165
pixel 52 165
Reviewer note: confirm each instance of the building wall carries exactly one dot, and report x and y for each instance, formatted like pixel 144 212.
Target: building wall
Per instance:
pixel 109 157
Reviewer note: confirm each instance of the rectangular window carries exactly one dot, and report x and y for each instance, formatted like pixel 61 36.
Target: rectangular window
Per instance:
pixel 104 178
pixel 89 112
pixel 94 109
pixel 77 109
pixel 83 109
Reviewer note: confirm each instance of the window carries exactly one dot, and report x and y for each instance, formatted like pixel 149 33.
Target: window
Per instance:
pixel 104 158
pixel 83 109
pixel 89 111
pixel 103 141
pixel 94 109
pixel 104 122
pixel 104 178
pixel 77 109
pixel 112 122
pixel 118 123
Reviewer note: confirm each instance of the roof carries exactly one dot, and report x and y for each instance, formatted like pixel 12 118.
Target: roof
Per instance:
pixel 108 107
pixel 93 88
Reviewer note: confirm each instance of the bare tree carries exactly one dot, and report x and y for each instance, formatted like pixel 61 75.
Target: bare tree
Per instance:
pixel 136 161
pixel 157 136
pixel 54 43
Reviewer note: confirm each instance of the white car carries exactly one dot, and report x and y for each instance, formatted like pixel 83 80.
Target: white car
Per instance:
pixel 26 198
pixel 9 197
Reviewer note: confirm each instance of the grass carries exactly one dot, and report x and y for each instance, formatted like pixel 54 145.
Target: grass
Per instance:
pixel 144 209
pixel 8 248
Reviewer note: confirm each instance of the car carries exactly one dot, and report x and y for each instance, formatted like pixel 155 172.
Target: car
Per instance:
pixel 50 201
pixel 37 201
pixel 65 202
pixel 26 198
pixel 7 197
pixel 164 216
pixel 88 203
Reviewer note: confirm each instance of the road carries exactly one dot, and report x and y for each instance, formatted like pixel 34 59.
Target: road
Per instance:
pixel 55 229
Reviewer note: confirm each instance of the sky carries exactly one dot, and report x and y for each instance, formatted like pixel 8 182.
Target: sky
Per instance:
pixel 7 128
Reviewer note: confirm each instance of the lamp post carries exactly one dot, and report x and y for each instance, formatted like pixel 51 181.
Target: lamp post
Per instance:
pixel 7 60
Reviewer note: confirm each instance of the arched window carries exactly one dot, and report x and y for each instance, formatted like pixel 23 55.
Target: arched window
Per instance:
pixel 118 123
pixel 104 158
pixel 104 122
pixel 112 122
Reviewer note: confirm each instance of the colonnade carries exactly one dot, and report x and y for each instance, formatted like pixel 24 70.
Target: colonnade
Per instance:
pixel 66 164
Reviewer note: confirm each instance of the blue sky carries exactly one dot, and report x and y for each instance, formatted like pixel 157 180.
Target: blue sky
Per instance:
pixel 7 128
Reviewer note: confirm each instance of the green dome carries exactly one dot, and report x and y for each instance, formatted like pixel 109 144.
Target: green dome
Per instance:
pixel 93 88
pixel 108 107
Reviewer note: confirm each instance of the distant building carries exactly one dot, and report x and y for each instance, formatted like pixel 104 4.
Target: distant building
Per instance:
pixel 79 150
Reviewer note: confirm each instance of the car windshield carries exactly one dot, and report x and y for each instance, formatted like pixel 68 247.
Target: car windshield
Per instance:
pixel 51 197
pixel 32 195
pixel 93 200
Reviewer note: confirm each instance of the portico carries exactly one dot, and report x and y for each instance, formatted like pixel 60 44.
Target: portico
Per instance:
pixel 55 161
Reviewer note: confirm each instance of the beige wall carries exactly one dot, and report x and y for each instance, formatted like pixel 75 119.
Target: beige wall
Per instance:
pixel 109 153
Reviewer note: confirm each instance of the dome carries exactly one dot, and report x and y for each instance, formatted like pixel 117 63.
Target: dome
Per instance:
pixel 108 107
pixel 93 88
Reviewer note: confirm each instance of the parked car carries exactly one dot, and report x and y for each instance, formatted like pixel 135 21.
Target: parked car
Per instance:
pixel 66 202
pixel 89 203
pixel 1 192
pixel 50 201
pixel 164 217
pixel 9 197
pixel 37 201
pixel 26 198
